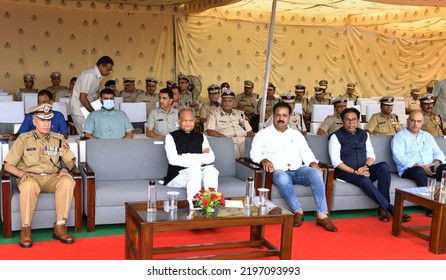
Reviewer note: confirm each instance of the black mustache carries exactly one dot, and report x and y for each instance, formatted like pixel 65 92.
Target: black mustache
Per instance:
pixel 280 121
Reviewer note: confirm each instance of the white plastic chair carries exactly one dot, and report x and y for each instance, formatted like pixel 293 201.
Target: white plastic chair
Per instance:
pixel 136 112
pixel 30 100
pixel 61 107
pixel 6 98
pixel 298 108
pixel 370 110
pixel 320 112
pixel 12 112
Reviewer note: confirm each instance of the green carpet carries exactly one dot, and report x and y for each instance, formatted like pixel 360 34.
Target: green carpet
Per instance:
pixel 118 229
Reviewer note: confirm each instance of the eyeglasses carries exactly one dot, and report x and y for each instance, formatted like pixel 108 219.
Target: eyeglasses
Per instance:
pixel 350 120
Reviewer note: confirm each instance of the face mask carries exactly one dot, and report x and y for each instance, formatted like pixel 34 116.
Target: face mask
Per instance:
pixel 224 89
pixel 108 104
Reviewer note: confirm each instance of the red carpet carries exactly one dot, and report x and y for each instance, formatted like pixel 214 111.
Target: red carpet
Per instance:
pixel 356 239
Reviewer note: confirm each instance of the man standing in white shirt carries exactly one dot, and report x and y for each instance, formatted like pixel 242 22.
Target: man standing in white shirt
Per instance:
pixel 85 89
pixel 282 150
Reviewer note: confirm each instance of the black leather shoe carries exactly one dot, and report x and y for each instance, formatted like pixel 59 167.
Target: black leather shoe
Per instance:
pixel 429 213
pixel 382 215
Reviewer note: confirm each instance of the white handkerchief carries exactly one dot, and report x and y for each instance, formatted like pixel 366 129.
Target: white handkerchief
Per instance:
pixel 234 203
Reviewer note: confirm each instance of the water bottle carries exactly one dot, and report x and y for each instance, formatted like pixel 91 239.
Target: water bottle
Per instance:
pixel 151 196
pixel 250 192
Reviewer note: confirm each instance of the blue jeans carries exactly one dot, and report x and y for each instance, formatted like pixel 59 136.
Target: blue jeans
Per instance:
pixel 306 176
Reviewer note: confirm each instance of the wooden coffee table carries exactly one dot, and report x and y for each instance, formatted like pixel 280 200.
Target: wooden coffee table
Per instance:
pixel 437 234
pixel 141 225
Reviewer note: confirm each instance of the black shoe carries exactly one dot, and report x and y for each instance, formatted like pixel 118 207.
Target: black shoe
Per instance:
pixel 429 213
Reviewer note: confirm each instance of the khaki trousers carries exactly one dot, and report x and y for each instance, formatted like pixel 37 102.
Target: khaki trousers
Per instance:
pixel 62 187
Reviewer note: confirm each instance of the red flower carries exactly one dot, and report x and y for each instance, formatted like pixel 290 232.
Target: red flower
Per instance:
pixel 222 200
pixel 212 189
pixel 213 196
pixel 205 202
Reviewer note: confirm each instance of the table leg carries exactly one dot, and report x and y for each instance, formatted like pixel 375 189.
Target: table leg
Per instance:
pixel 397 213
pixel 437 241
pixel 146 242
pixel 286 241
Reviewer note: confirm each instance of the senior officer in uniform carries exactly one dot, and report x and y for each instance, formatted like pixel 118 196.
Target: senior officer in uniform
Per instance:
pixel 350 94
pixel 41 160
pixel 333 122
pixel 384 122
pixel 411 102
pixel 296 119
pixel 162 120
pixel 229 122
pixel 432 122
pixel 150 96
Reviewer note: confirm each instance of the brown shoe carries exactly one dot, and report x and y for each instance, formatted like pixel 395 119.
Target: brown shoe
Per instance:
pixel 326 223
pixel 25 238
pixel 382 215
pixel 60 233
pixel 298 219
pixel 406 218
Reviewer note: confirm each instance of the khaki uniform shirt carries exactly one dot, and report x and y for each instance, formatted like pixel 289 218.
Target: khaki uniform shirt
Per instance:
pixel 246 103
pixel 206 108
pixel 313 101
pixel 433 124
pixel 128 96
pixel 269 106
pixel 331 124
pixel 33 154
pixel 161 122
pixel 150 99
pixel 411 104
pixel 18 95
pixel 353 98
pixel 381 125
pixel 187 100
pixel 55 91
pixel 230 125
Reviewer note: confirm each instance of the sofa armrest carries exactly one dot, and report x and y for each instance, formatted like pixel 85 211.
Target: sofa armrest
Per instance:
pixel 6 203
pixel 251 169
pixel 89 176
pixel 77 199
pixel 328 178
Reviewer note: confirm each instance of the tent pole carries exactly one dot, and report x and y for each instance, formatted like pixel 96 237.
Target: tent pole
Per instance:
pixel 268 63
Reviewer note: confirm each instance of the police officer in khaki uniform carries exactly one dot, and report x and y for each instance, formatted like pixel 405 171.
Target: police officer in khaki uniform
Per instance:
pixel 229 122
pixel 150 96
pixel 299 90
pixel 187 98
pixel 319 98
pixel 350 94
pixel 28 80
pixel 296 119
pixel 411 102
pixel 324 84
pixel 56 89
pixel 271 100
pixel 213 104
pixel 384 122
pixel 432 122
pixel 333 122
pixel 130 92
pixel 41 160
pixel 245 101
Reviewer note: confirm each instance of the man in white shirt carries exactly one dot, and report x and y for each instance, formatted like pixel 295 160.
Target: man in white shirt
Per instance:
pixel 282 150
pixel 190 158
pixel 85 89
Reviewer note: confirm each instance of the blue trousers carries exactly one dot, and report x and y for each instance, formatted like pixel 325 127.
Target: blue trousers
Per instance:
pixel 379 171
pixel 420 176
pixel 306 176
